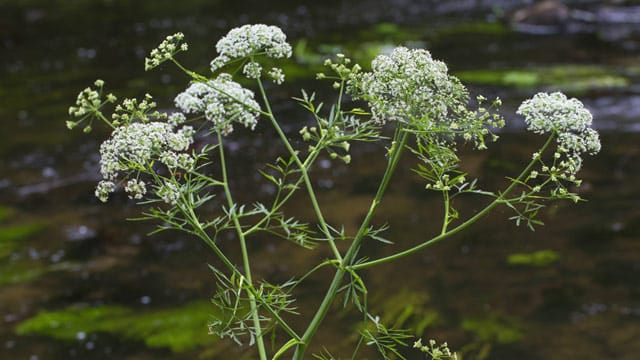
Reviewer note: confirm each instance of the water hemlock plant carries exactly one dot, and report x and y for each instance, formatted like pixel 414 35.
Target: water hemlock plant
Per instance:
pixel 413 106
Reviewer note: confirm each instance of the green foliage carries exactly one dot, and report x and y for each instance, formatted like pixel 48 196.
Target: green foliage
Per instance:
pixel 179 329
pixel 537 258
pixel 387 340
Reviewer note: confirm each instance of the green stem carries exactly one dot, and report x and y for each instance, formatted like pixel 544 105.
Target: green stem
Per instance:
pixel 192 74
pixel 305 175
pixel 199 231
pixel 104 119
pixel 245 255
pixel 445 221
pixel 499 200
pixel 394 157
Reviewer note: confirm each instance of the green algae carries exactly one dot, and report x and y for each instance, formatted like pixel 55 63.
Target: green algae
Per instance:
pixel 20 272
pixel 570 78
pixel 536 258
pixel 179 329
pixel 476 27
pixel 407 309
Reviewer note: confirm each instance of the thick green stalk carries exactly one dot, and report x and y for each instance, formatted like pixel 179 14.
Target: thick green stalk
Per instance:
pixel 245 255
pixel 499 200
pixel 394 157
pixel 305 176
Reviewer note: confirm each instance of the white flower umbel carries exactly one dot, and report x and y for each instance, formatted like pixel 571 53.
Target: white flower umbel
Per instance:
pixel 408 84
pixel 410 87
pixel 222 101
pixel 554 112
pixel 570 121
pixel 135 147
pixel 247 40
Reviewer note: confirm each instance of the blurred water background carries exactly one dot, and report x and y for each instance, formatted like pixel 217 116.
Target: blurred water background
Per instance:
pixel 78 281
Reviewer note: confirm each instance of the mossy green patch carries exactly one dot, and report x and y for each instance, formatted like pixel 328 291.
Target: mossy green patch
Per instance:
pixel 179 329
pixel 67 324
pixel 570 78
pixel 536 258
pixel 516 78
pixel 494 329
pixel 5 213
pixel 18 232
pixel 10 236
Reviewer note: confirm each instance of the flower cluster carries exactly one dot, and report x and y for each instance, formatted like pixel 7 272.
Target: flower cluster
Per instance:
pixel 555 112
pixel 135 147
pixel 435 351
pixel 410 87
pixel 88 104
pixel 165 51
pixel 341 68
pixel 250 40
pixel 222 101
pixel 570 121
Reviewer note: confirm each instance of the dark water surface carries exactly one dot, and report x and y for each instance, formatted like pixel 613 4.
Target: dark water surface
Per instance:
pixel 576 297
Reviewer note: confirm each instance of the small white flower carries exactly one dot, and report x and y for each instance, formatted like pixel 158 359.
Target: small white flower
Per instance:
pixel 252 70
pixel 276 75
pixel 135 189
pixel 103 190
pixel 176 119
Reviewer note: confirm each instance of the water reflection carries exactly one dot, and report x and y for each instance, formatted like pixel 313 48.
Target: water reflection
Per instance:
pixel 59 248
